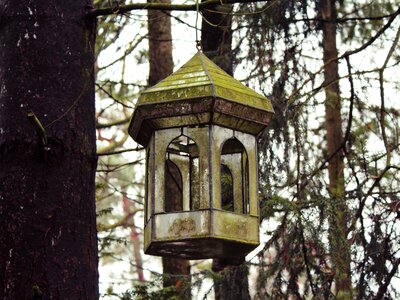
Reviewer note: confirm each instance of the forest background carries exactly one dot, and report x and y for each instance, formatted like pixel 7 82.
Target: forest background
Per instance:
pixel 329 162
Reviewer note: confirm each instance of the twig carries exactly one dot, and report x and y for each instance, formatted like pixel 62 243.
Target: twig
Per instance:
pixel 115 123
pixel 349 53
pixel 112 97
pixel 164 6
pixel 352 96
pixel 120 151
pixel 383 288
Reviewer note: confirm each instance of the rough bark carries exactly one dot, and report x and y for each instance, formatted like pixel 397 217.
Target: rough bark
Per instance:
pixel 339 246
pixel 176 271
pixel 48 244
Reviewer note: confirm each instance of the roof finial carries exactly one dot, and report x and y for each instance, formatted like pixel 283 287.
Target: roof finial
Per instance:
pixel 198 46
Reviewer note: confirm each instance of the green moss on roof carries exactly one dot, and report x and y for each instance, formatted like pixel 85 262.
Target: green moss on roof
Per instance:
pixel 198 78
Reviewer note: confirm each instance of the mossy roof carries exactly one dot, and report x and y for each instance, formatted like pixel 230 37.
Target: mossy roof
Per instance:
pixel 199 78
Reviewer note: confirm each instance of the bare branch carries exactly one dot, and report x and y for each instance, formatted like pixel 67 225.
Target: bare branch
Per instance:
pixel 115 168
pixel 112 97
pixel 120 151
pixel 383 288
pixel 115 144
pixel 292 97
pixel 163 6
pixel 349 19
pixel 352 96
pixel 382 95
pixel 373 38
pixel 115 123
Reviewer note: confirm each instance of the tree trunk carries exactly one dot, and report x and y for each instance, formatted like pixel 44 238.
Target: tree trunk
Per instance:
pixel 48 243
pixel 216 42
pixel 217 45
pixel 232 284
pixel 160 44
pixel 176 271
pixel 338 211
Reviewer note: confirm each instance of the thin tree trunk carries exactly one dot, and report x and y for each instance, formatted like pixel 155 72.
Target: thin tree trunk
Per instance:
pixel 48 244
pixel 134 235
pixel 160 44
pixel 176 272
pixel 216 43
pixel 216 36
pixel 338 211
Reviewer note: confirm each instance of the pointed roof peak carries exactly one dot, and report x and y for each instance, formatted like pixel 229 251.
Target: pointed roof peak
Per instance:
pixel 199 78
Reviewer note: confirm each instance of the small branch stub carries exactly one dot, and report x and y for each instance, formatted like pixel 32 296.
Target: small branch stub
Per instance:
pixel 40 131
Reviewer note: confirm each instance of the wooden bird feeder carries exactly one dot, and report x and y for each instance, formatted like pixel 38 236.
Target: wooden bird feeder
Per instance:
pixel 199 127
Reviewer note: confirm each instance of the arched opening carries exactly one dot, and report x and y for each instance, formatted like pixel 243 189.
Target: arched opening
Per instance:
pixel 246 184
pixel 147 188
pixel 234 177
pixel 173 187
pixel 226 188
pixel 182 175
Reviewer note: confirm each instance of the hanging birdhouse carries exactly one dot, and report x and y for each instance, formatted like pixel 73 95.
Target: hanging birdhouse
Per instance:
pixel 199 127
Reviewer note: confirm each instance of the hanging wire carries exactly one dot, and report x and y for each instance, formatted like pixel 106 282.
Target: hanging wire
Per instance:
pixel 212 24
pixel 198 42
